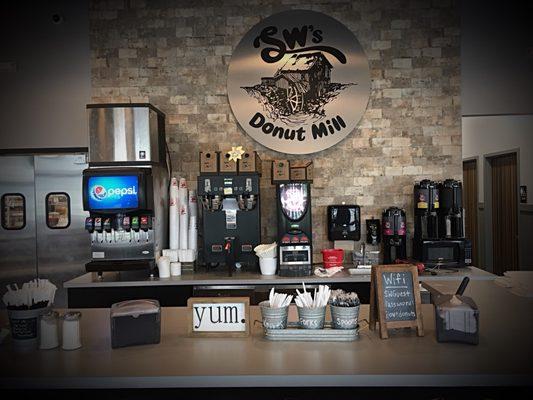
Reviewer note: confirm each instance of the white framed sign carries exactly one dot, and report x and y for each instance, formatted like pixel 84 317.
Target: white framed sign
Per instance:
pixel 298 82
pixel 219 316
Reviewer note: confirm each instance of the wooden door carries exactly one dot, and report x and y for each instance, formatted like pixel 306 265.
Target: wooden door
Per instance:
pixel 504 213
pixel 470 191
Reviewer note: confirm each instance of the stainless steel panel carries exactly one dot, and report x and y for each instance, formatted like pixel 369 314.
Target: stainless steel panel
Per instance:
pixel 61 253
pixel 18 260
pixel 123 134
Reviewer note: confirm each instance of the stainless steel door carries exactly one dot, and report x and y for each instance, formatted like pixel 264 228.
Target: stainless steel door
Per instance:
pixel 18 260
pixel 63 246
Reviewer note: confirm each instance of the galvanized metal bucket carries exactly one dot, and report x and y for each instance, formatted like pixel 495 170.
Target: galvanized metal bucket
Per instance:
pixel 344 317
pixel 311 318
pixel 273 318
pixel 25 327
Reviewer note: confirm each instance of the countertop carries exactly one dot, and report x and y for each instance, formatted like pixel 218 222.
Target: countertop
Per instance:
pixel 503 356
pixel 219 277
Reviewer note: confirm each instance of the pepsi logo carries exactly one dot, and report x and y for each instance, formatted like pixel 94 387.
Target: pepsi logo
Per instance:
pixel 99 192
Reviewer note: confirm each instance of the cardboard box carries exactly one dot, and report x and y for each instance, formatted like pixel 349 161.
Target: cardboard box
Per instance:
pixel 280 170
pixel 226 165
pixel 301 170
pixel 250 163
pixel 208 162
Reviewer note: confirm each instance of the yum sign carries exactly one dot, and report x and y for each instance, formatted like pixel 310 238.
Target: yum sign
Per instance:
pixel 219 316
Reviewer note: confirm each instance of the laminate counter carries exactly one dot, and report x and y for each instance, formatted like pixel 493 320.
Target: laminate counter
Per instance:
pixel 136 279
pixel 90 291
pixel 503 356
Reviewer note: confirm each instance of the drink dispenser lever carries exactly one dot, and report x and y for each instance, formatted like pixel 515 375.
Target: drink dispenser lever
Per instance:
pixel 229 251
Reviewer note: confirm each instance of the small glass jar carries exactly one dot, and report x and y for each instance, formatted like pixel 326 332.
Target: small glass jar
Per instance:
pixel 49 336
pixel 71 331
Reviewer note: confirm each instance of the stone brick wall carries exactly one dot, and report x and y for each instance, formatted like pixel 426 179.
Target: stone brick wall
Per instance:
pixel 175 55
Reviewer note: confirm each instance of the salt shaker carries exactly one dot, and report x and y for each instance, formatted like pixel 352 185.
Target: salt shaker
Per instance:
pixel 71 331
pixel 49 338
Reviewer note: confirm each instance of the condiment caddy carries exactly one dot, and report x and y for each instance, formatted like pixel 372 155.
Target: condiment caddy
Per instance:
pixel 311 325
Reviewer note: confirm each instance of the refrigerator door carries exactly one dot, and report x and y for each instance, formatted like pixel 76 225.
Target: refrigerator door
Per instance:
pixel 18 261
pixel 63 245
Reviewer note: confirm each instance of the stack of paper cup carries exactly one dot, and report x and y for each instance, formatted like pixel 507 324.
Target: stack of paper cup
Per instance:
pixel 163 264
pixel 193 224
pixel 173 237
pixel 172 254
pixel 183 203
pixel 175 269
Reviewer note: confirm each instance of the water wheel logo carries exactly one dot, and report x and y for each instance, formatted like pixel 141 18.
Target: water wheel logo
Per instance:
pixel 299 90
pixel 298 82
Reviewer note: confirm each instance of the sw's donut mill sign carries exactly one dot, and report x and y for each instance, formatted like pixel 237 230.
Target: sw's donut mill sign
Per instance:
pixel 298 82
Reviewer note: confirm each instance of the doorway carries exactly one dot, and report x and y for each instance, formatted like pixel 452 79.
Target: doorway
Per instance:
pixel 470 186
pixel 41 215
pixel 504 202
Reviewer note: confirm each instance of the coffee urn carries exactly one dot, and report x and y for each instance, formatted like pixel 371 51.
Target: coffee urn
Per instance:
pixel 450 213
pixel 426 205
pixel 394 235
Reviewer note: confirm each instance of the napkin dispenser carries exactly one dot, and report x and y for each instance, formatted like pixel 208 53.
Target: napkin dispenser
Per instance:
pixel 135 322
pixel 457 319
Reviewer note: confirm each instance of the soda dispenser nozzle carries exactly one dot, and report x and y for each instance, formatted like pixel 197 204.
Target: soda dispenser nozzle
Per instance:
pixel 89 224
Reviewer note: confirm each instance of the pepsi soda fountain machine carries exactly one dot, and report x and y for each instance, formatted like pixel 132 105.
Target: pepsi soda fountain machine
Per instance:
pixel 295 250
pixel 125 188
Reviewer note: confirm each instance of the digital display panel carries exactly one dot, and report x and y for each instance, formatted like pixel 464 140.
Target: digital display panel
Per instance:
pixel 293 198
pixel 113 192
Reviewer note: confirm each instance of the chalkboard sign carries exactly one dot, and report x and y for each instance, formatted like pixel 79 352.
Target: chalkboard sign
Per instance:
pixel 395 298
pixel 398 296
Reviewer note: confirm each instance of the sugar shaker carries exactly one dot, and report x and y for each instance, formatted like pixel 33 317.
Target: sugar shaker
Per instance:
pixel 71 331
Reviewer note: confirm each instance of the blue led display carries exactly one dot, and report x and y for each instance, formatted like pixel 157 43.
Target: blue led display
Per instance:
pixel 113 192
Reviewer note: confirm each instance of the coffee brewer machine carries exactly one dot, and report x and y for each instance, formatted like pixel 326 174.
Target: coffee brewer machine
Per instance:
pixel 231 217
pixel 125 188
pixel 394 234
pixel 294 228
pixel 439 234
pixel 426 204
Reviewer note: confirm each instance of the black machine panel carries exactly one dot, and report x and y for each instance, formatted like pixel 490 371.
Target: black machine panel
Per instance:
pixel 344 222
pixel 230 218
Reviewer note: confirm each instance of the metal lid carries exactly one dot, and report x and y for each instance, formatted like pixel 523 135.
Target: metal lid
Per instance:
pixel 135 308
pixel 72 316
pixel 50 315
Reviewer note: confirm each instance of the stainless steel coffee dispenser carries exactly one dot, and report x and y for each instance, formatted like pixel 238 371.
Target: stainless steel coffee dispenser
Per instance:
pixel 125 188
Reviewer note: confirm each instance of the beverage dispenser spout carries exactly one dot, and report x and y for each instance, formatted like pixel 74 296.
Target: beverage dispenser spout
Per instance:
pixel 229 252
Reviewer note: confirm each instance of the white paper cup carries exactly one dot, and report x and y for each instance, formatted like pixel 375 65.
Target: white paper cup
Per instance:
pixel 268 265
pixel 163 264
pixel 175 269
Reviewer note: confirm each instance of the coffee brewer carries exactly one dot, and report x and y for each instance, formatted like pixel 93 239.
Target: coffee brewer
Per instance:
pixel 294 228
pixel 394 234
pixel 450 213
pixel 426 205
pixel 231 218
pixel 125 188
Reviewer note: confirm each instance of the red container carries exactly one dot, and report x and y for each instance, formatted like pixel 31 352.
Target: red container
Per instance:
pixel 332 257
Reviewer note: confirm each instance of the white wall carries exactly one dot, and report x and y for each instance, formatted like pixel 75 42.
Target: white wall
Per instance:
pixel 44 74
pixel 496 134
